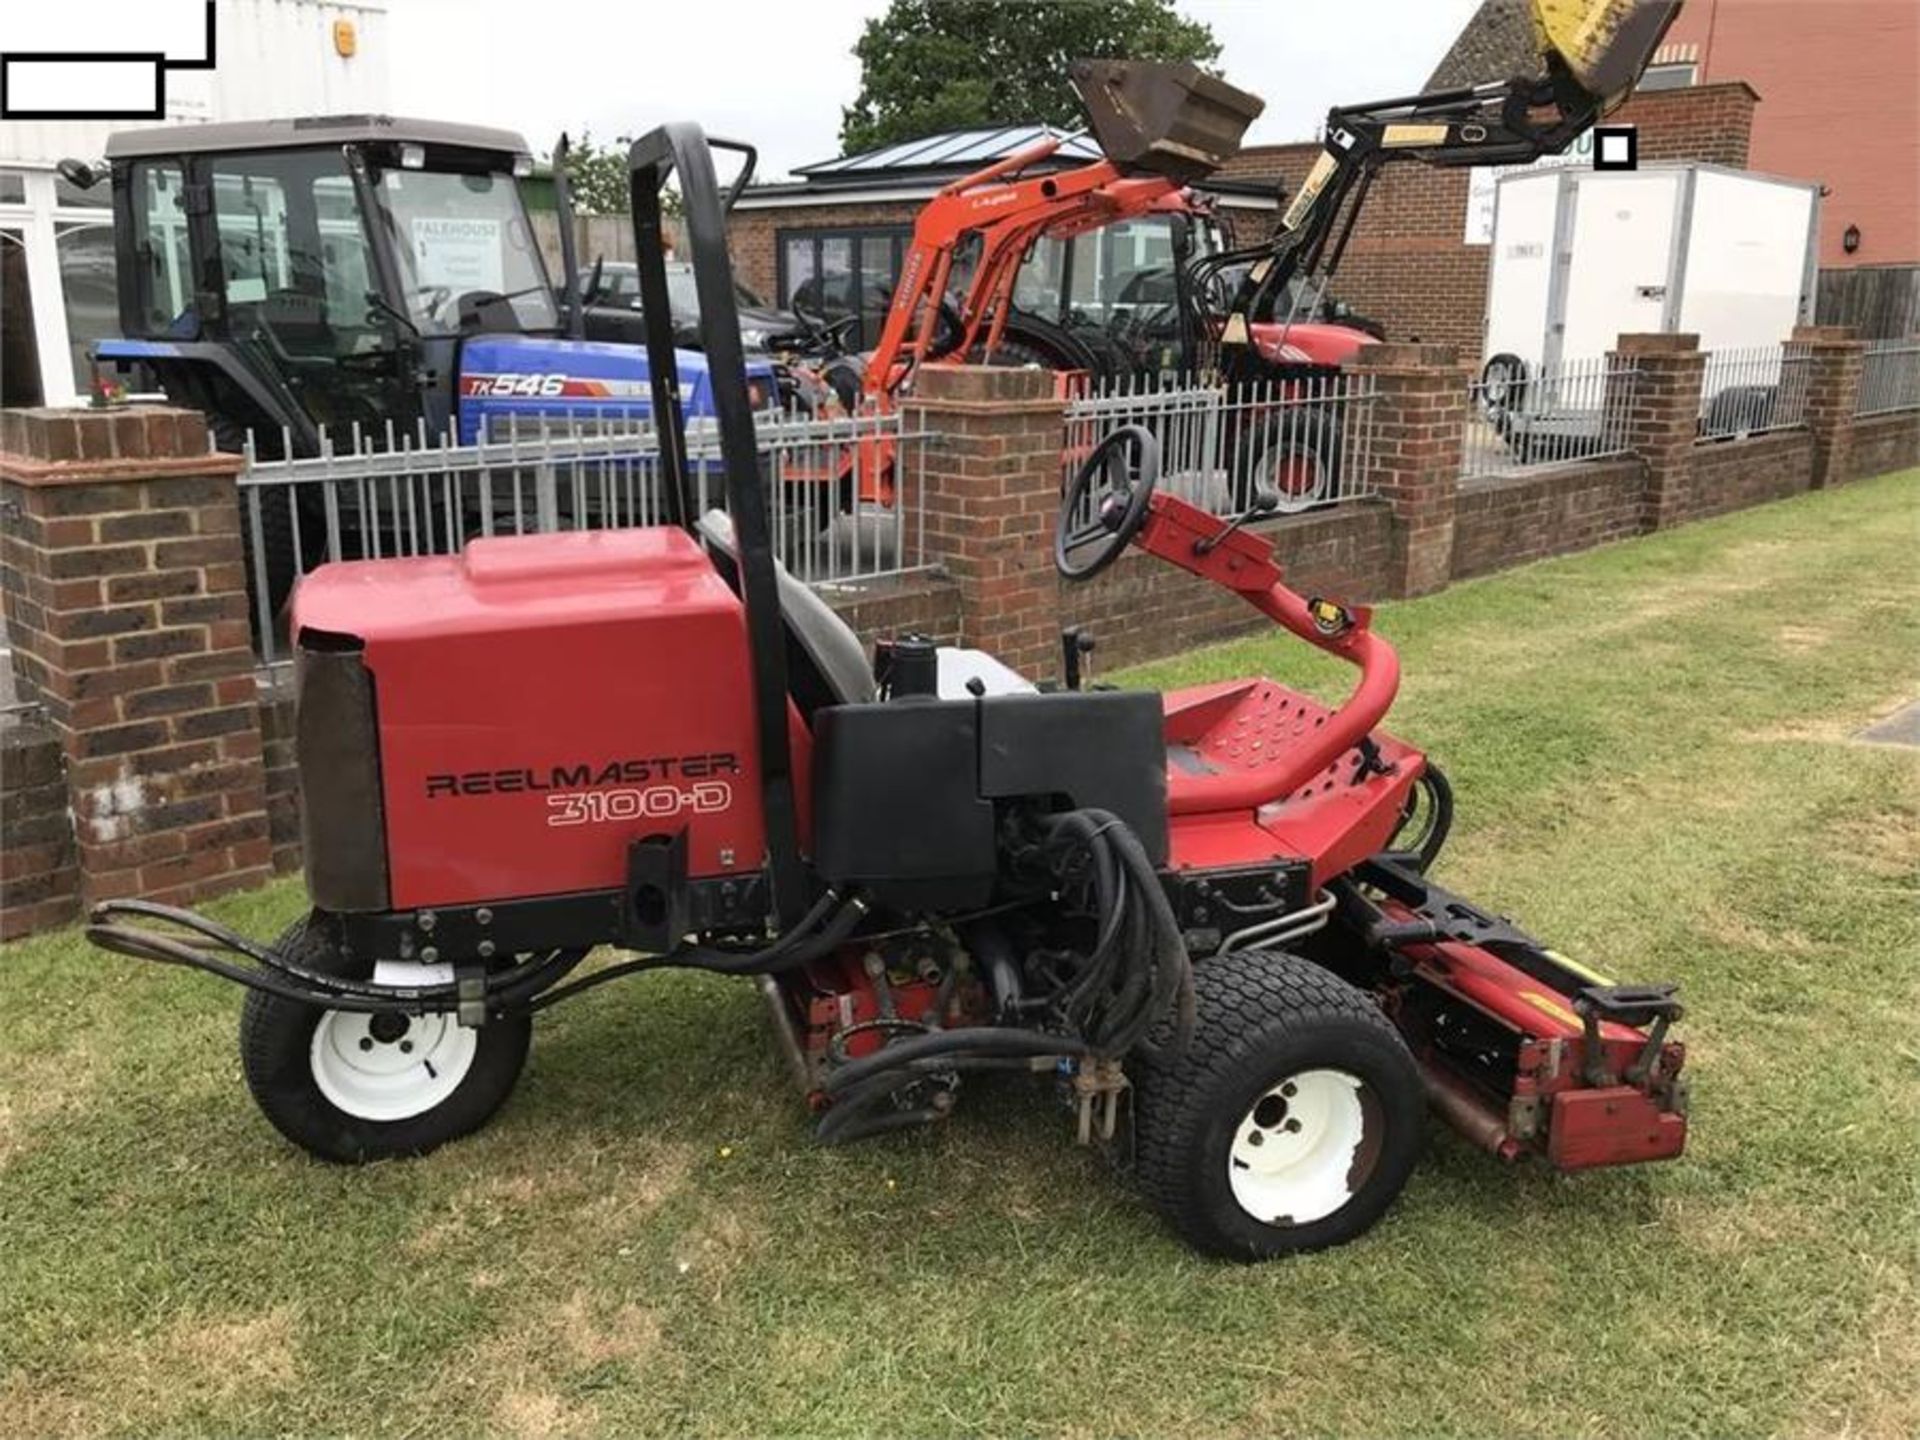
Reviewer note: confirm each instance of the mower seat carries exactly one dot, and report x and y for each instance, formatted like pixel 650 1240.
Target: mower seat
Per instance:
pixel 825 644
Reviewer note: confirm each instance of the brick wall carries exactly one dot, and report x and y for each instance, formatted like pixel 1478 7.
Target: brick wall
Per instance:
pixel 1143 608
pixel 1733 474
pixel 924 603
pixel 282 770
pixel 39 869
pixel 1884 442
pixel 126 606
pixel 1499 523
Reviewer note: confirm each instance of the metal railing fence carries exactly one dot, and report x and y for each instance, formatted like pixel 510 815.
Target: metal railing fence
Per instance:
pixel 1753 390
pixel 1524 419
pixel 1310 440
pixel 847 496
pixel 1889 378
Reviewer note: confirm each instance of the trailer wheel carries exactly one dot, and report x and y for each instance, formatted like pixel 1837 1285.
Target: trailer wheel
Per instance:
pixel 1291 1121
pixel 350 1087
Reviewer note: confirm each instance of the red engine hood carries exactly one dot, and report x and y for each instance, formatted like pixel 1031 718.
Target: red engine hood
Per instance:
pixel 1306 342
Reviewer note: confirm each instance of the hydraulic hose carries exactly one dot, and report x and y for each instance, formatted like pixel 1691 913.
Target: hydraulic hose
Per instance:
pixel 528 986
pixel 1135 977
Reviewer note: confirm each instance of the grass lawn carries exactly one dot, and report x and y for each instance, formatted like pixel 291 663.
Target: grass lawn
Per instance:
pixel 1650 749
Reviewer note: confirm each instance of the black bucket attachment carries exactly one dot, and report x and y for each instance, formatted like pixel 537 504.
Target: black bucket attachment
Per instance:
pixel 1156 118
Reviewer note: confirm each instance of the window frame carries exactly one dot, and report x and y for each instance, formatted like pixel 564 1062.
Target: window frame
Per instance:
pixel 898 236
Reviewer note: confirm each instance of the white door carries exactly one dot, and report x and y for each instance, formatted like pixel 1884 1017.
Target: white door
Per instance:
pixel 1619 259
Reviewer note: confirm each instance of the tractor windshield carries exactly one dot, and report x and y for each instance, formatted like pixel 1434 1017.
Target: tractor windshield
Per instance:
pixel 460 234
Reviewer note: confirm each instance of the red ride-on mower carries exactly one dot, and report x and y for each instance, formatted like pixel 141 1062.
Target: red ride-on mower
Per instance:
pixel 1206 916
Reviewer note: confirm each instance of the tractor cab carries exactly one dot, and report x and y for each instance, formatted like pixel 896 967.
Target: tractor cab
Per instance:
pixel 302 279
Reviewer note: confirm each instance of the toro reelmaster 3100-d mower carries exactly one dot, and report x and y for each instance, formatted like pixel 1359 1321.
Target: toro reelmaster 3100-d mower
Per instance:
pixel 1207 916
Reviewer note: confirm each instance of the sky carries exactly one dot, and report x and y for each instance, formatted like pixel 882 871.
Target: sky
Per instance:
pixel 777 72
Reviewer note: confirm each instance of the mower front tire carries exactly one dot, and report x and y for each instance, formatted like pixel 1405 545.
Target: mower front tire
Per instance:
pixel 350 1088
pixel 1291 1121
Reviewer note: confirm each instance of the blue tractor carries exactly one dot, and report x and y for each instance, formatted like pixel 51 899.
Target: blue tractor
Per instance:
pixel 359 282
pixel 296 278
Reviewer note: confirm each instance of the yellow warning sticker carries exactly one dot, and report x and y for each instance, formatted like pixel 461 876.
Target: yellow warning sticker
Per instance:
pixel 1414 135
pixel 1310 189
pixel 1585 972
pixel 1549 1006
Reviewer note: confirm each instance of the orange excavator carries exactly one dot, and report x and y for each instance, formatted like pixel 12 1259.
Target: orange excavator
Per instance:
pixel 1164 127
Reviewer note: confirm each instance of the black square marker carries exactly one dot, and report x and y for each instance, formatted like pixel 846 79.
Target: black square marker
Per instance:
pixel 1616 147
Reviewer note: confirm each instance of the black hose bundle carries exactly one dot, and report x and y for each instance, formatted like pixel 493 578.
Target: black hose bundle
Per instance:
pixel 524 986
pixel 1100 1005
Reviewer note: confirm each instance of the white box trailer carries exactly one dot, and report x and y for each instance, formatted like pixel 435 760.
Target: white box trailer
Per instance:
pixel 1580 257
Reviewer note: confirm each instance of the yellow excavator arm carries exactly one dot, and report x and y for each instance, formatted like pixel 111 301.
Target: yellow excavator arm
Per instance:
pixel 1589 54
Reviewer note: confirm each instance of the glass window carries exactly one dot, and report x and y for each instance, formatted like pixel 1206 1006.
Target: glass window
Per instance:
pixel 464 234
pixel 13 188
pixel 833 273
pixel 346 272
pixel 1667 77
pixel 88 282
pixel 160 250
pixel 1036 288
pixel 97 196
pixel 19 356
pixel 796 266
pixel 293 254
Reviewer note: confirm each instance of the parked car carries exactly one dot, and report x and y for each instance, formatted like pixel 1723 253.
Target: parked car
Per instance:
pixel 762 326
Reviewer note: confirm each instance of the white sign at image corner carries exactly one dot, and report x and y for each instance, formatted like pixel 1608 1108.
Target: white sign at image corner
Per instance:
pixel 1482 179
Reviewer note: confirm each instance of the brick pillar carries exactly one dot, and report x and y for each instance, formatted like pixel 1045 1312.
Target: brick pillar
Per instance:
pixel 1837 362
pixel 992 495
pixel 127 606
pixel 1419 415
pixel 1663 418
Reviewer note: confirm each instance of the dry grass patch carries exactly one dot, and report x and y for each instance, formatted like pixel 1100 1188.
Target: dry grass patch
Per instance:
pixel 195 1362
pixel 532 1376
pixel 607 1189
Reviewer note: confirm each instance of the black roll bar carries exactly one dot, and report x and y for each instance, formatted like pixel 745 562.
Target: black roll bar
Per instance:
pixel 680 150
pixel 572 303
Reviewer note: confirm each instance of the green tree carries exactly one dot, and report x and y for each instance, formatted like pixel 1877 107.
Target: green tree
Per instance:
pixel 931 65
pixel 597 178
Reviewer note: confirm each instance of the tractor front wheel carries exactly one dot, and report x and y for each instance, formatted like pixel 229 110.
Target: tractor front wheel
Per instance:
pixel 1293 1118
pixel 351 1087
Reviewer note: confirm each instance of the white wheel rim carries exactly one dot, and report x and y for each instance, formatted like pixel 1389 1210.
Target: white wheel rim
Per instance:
pixel 1274 460
pixel 394 1079
pixel 1295 1152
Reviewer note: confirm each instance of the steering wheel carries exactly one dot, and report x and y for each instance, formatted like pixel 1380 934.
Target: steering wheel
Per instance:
pixel 1106 504
pixel 431 298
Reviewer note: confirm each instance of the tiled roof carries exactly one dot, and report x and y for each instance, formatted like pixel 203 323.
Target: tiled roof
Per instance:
pixel 1497 44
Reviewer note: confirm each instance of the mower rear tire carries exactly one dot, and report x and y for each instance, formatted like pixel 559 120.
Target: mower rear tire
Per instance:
pixel 350 1088
pixel 1291 1121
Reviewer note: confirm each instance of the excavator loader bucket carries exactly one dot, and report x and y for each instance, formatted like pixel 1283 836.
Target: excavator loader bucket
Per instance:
pixel 1153 117
pixel 1605 44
